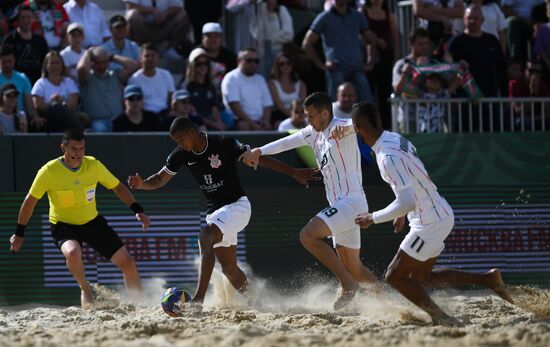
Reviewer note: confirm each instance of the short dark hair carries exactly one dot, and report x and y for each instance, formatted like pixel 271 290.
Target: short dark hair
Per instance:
pixel 319 100
pixel 7 50
pixel 72 134
pixel 22 8
pixel 148 46
pixel 417 33
pixel 243 52
pixel 366 111
pixel 181 124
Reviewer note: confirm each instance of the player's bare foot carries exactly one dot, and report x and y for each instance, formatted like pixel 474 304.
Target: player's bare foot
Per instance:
pixel 345 298
pixel 498 286
pixel 446 320
pixel 86 299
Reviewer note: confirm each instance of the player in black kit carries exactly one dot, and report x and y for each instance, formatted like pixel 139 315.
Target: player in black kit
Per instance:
pixel 212 160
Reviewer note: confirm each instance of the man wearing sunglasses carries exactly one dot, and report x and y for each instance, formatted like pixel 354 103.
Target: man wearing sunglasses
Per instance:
pixel 246 94
pixel 135 118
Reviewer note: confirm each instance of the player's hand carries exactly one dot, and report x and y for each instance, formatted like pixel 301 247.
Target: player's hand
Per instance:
pixel 340 132
pixel 144 219
pixel 135 181
pixel 364 220
pixel 252 157
pixel 16 242
pixel 304 176
pixel 398 224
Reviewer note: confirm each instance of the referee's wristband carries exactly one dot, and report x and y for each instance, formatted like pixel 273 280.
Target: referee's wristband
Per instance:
pixel 136 207
pixel 20 230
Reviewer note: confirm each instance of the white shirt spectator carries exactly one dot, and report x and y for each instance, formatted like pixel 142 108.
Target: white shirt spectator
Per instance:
pixel 155 89
pixel 48 27
pixel 493 19
pixel 92 19
pixel 71 59
pixel 286 125
pixel 45 89
pixel 278 26
pixel 250 91
pixel 161 5
pixel 458 23
pixel 338 112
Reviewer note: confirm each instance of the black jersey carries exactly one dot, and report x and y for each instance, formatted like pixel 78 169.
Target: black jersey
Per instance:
pixel 215 169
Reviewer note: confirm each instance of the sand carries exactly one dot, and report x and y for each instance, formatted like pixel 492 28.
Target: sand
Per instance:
pixel 274 319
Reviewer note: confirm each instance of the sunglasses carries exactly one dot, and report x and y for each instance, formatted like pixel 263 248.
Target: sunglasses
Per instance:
pixel 134 98
pixel 252 60
pixel 185 101
pixel 284 63
pixel 202 63
pixel 11 95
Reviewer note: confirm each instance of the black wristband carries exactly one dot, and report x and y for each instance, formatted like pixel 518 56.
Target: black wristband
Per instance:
pixel 20 230
pixel 136 207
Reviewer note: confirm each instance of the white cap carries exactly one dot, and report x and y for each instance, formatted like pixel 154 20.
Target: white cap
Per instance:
pixel 75 26
pixel 212 27
pixel 197 52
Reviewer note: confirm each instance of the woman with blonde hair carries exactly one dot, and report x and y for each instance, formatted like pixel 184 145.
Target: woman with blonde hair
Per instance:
pixel 199 83
pixel 55 96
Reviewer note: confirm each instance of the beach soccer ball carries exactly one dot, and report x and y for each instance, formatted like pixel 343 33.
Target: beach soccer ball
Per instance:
pixel 172 298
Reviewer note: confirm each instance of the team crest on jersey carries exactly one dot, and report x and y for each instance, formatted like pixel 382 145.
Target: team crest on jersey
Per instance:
pixel 324 161
pixel 215 161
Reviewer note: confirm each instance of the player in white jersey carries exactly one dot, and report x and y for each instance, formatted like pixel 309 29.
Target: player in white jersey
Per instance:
pixel 430 217
pixel 339 161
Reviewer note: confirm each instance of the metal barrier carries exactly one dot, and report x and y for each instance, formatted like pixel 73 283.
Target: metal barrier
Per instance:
pixel 462 115
pixel 405 24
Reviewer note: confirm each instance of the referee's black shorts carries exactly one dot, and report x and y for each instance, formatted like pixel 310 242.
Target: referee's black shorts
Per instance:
pixel 96 233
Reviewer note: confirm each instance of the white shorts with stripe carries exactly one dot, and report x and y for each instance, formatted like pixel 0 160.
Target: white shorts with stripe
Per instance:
pixel 231 219
pixel 424 242
pixel 340 218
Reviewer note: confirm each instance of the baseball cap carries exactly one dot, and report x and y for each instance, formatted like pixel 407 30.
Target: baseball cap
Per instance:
pixel 197 52
pixel 8 89
pixel 181 94
pixel 212 27
pixel 75 26
pixel 117 20
pixel 132 90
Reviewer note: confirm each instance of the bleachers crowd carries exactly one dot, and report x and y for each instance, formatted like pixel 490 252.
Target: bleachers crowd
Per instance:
pixel 66 64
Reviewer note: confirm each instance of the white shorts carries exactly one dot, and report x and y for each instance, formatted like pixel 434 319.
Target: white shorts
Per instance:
pixel 340 218
pixel 424 242
pixel 231 219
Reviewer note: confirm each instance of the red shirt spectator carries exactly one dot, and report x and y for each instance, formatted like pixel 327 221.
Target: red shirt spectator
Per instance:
pixel 532 85
pixel 56 14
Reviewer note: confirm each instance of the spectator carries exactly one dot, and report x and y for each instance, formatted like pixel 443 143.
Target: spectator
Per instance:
pixel 297 118
pixel 157 21
pixel 90 16
pixel 384 25
pixel 223 59
pixel 542 47
pixel 285 87
pixel 56 97
pixel 477 48
pixel 119 43
pixel 246 94
pixel 204 94
pixel 272 22
pixel 515 70
pixel 50 21
pixel 345 98
pixel 432 115
pixel 442 19
pixel 182 106
pixel 339 29
pixel 157 84
pixel 30 49
pixel 11 120
pixel 73 52
pixel 9 76
pixel 529 84
pixel 100 87
pixel 134 118
pixel 494 21
pixel 518 13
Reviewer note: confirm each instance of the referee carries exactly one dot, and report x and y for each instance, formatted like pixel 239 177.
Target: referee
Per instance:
pixel 70 182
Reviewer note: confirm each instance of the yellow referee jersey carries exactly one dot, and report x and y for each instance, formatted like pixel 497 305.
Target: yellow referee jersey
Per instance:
pixel 72 192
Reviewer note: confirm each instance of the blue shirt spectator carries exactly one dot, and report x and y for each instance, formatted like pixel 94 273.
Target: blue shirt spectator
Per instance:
pixel 119 44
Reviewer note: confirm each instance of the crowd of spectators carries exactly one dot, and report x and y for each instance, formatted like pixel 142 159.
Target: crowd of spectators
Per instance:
pixel 64 64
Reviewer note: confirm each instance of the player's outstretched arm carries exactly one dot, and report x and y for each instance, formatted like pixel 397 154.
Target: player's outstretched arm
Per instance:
pixel 302 176
pixel 152 182
pixel 128 198
pixel 25 213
